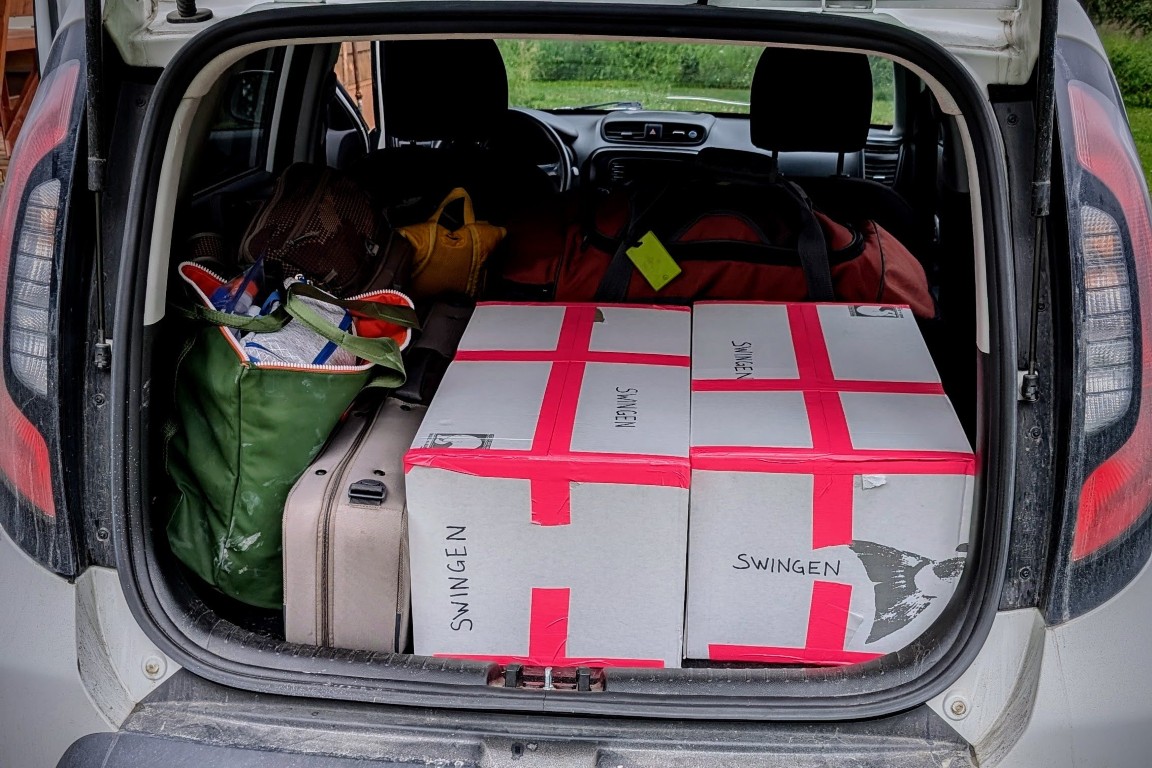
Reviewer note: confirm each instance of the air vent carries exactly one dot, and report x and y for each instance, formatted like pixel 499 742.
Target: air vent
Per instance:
pixel 624 170
pixel 624 131
pixel 882 164
pixel 640 132
pixel 618 170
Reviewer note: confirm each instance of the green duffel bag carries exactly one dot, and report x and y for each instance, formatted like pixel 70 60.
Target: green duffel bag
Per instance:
pixel 241 433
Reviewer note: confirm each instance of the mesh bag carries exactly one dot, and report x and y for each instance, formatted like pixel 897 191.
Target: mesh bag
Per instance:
pixel 318 223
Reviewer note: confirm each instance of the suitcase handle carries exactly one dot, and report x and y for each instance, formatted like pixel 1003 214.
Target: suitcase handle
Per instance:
pixel 367 492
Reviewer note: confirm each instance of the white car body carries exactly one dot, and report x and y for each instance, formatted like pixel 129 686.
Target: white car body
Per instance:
pixel 73 660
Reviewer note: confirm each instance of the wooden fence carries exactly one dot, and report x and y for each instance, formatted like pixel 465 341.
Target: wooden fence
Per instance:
pixel 354 70
pixel 20 76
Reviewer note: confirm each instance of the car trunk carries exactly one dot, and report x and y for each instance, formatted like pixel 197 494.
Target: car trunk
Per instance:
pixel 973 345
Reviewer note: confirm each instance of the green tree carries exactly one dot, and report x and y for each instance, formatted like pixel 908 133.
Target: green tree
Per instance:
pixel 1135 15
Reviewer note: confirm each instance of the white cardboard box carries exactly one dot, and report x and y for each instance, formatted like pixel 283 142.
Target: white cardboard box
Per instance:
pixel 831 484
pixel 548 489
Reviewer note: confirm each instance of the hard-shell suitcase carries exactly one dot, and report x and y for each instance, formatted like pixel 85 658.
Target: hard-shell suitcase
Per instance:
pixel 346 581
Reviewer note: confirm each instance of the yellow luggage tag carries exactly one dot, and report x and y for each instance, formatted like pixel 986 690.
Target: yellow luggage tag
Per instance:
pixel 653 260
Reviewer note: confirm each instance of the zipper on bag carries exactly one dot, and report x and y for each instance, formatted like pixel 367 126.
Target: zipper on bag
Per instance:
pixel 303 367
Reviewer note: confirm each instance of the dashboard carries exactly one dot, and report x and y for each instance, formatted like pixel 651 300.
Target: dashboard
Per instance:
pixel 621 146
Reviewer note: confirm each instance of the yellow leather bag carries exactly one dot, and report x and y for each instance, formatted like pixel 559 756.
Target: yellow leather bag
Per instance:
pixel 450 260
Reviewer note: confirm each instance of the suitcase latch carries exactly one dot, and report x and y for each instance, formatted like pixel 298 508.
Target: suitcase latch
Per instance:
pixel 368 492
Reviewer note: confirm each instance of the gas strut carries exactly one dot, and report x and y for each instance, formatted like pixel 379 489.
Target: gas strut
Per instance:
pixel 94 56
pixel 1041 180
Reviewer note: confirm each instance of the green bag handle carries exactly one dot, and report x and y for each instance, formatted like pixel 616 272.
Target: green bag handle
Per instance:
pixel 269 323
pixel 279 317
pixel 405 317
pixel 383 352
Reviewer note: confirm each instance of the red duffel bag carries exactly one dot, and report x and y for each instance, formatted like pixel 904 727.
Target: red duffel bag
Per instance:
pixel 731 241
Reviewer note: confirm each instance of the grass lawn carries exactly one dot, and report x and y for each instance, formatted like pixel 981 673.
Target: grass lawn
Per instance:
pixel 573 93
pixel 569 93
pixel 1141 120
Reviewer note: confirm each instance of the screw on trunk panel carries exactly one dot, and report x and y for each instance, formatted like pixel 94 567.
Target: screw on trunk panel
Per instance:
pixel 1013 119
pixel 102 534
pixel 154 667
pixel 187 13
pixel 98 399
pixel 1035 432
pixel 1025 573
pixel 956 706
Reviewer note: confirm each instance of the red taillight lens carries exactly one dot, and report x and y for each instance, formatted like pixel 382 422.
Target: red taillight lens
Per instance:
pixel 24 282
pixel 1118 492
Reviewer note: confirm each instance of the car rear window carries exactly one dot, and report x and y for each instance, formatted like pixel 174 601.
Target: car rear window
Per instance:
pixel 594 75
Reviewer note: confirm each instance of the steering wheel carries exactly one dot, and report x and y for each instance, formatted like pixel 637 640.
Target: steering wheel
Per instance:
pixel 529 133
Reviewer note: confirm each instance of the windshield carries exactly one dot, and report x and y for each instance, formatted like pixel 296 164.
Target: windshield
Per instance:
pixel 563 74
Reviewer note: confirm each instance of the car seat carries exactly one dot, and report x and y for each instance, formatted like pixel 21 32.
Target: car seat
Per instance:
pixel 443 102
pixel 821 101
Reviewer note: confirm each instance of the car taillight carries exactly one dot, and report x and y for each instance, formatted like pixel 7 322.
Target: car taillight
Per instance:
pixel 32 209
pixel 1118 492
pixel 1109 492
pixel 28 312
pixel 1109 325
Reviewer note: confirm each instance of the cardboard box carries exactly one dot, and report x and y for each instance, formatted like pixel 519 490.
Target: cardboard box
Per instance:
pixel 831 484
pixel 548 489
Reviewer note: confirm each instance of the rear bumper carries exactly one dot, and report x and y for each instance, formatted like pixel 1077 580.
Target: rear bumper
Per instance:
pixel 1077 694
pixel 190 721
pixel 108 750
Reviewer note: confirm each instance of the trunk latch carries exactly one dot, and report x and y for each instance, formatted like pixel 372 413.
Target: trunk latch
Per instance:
pixel 582 679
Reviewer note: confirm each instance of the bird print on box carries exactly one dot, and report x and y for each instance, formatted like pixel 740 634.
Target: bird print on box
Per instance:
pixel 458 440
pixel 905 583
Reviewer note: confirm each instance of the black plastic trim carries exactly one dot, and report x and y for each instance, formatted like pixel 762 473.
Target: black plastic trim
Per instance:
pixel 893 683
pixel 189 721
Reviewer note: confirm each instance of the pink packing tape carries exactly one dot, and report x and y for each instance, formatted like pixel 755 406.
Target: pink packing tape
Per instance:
pixel 551 465
pixel 833 461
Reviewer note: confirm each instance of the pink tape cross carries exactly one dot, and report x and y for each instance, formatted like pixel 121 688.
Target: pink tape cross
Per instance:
pixel 548 638
pixel 551 466
pixel 833 462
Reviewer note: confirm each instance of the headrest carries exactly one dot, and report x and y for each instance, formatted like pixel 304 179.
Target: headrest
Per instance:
pixel 443 89
pixel 811 101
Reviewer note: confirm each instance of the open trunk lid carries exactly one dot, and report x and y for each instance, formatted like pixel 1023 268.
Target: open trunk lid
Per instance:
pixel 998 40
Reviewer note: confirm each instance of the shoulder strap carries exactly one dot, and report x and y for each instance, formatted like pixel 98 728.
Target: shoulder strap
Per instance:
pixel 614 284
pixel 269 323
pixel 811 247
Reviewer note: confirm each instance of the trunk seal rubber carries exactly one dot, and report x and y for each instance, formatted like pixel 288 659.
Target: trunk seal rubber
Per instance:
pixel 196 639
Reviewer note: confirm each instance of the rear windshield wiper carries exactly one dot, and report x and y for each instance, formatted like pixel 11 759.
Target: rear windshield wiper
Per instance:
pixel 710 100
pixel 605 105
